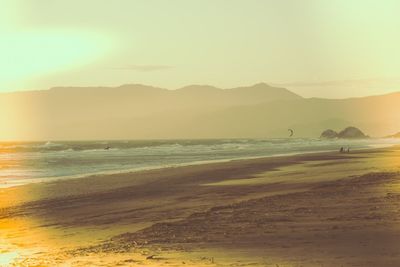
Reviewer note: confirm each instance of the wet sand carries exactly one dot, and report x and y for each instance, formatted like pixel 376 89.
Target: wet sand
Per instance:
pixel 322 209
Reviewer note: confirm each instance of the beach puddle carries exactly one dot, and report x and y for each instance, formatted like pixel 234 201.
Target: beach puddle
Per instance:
pixel 19 241
pixel 12 255
pixel 7 258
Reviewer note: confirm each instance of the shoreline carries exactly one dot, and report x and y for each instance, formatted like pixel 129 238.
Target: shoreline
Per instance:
pixel 4 184
pixel 267 198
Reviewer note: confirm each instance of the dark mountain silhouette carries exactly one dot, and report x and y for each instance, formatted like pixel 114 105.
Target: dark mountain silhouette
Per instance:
pixel 329 134
pixel 347 133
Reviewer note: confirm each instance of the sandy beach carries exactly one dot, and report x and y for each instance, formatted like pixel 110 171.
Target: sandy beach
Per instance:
pixel 320 209
pixel 199 133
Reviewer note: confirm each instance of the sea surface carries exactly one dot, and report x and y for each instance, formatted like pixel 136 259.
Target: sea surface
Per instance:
pixel 28 162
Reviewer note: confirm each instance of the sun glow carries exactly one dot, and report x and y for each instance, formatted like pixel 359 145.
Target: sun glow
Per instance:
pixel 31 54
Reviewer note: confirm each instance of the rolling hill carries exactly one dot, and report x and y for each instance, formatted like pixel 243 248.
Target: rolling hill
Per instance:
pixel 143 112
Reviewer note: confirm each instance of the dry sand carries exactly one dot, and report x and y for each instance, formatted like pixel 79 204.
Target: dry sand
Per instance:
pixel 323 209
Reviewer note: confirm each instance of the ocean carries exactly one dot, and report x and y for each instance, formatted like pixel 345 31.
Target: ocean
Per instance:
pixel 28 162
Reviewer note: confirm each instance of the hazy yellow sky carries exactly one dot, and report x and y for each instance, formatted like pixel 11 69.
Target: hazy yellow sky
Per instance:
pixel 326 48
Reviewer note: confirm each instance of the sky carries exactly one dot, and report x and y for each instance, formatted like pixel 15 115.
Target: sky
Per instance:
pixel 321 48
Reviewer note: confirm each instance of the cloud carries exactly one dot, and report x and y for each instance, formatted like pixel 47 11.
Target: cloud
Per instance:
pixel 145 68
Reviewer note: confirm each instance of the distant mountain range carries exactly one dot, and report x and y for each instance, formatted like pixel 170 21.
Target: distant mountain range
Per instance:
pixel 196 111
